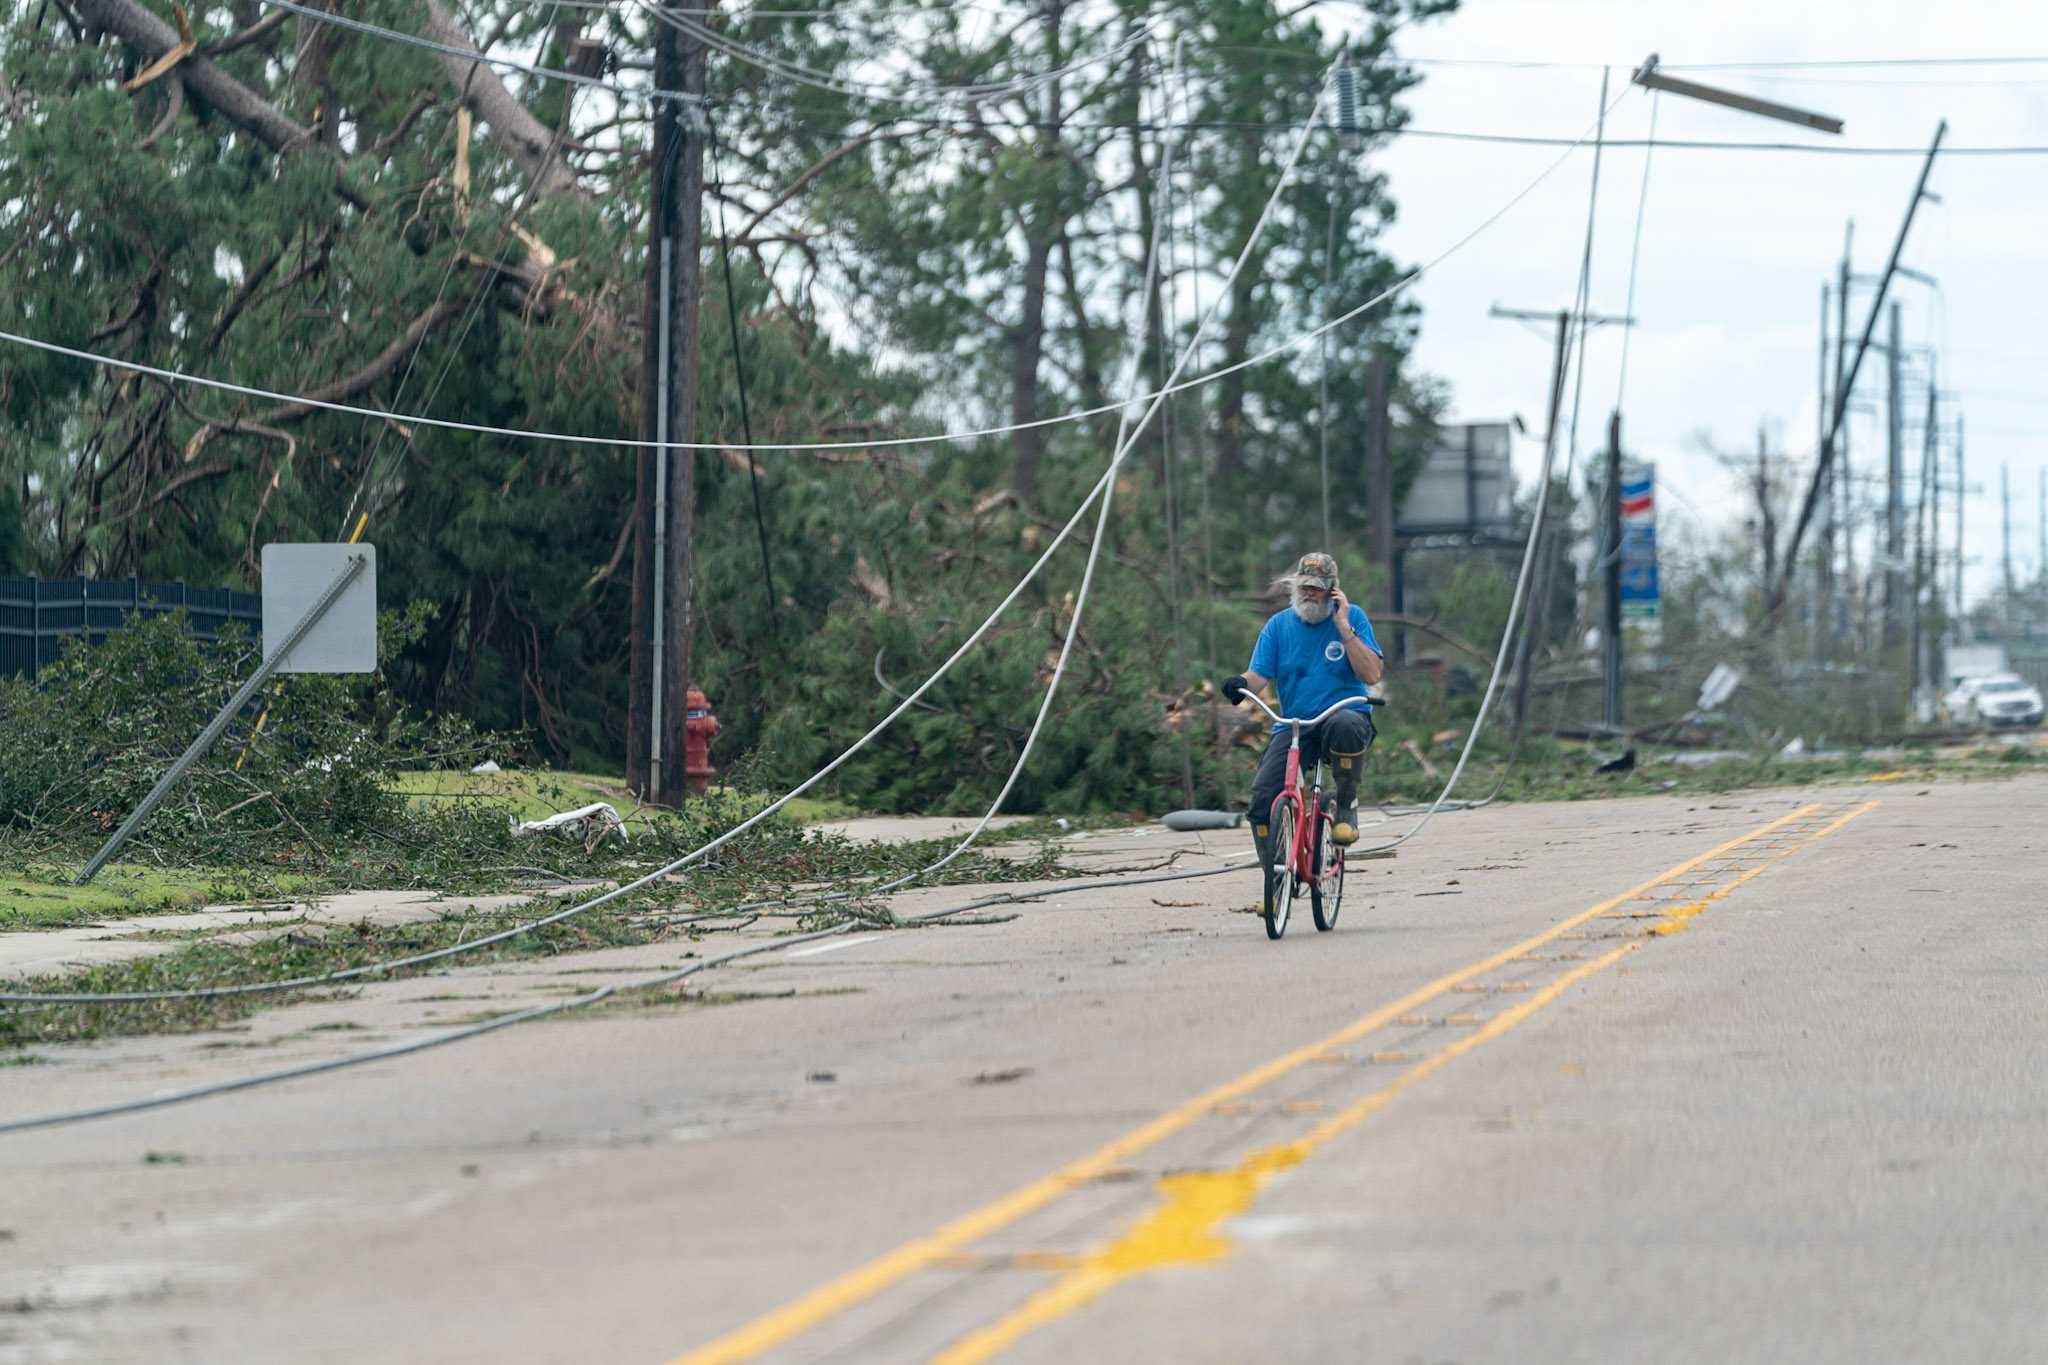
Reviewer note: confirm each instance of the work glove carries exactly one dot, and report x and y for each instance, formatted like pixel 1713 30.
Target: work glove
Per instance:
pixel 1233 688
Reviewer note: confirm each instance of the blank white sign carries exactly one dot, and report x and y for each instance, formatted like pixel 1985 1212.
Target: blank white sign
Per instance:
pixel 295 577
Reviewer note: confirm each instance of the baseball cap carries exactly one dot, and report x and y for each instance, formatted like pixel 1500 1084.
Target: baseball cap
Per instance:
pixel 1316 570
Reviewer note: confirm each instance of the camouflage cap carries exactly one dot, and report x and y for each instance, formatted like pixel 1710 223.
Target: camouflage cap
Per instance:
pixel 1316 570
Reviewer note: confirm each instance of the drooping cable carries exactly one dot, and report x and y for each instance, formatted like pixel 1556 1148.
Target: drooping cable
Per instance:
pixel 1171 429
pixel 1127 438
pixel 1128 432
pixel 596 997
pixel 1287 347
pixel 1635 252
pixel 696 855
pixel 471 54
pixel 1538 521
pixel 852 89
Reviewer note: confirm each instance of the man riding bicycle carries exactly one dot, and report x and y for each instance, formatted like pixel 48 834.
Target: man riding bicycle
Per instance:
pixel 1318 650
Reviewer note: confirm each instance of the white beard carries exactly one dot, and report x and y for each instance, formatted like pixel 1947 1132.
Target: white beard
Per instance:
pixel 1313 613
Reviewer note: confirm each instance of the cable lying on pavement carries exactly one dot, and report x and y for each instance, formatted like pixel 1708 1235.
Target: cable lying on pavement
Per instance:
pixel 595 997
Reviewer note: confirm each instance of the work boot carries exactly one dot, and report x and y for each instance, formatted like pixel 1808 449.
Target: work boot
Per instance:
pixel 1344 832
pixel 1262 840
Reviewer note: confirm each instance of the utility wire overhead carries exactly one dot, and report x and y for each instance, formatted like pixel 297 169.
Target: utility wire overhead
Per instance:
pixel 1294 343
pixel 859 90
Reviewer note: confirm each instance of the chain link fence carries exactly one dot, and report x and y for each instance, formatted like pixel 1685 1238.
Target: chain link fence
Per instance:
pixel 37 615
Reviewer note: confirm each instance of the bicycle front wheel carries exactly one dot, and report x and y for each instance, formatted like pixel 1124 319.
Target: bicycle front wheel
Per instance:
pixel 1280 896
pixel 1326 892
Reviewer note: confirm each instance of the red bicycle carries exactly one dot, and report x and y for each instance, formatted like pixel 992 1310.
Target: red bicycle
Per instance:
pixel 1301 827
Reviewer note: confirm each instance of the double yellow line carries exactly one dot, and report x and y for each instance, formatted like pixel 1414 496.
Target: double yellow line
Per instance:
pixel 1088 1279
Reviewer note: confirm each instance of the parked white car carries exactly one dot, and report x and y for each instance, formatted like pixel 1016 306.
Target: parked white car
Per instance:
pixel 1995 699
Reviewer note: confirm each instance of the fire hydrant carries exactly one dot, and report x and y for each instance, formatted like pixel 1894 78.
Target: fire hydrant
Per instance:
pixel 699 725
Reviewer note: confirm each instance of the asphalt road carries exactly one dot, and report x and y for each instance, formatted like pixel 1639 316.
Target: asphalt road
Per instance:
pixel 1750 1078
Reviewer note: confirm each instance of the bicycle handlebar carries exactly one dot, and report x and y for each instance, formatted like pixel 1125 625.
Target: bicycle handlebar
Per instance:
pixel 1328 711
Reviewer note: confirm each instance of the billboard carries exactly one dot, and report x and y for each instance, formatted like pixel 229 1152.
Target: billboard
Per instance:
pixel 1640 599
pixel 1467 485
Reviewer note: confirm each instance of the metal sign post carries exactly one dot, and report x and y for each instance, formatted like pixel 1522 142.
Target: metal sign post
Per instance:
pixel 355 561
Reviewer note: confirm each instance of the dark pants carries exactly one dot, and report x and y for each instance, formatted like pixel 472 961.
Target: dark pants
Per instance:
pixel 1343 739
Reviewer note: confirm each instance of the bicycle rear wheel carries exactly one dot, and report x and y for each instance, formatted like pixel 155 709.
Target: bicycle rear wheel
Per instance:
pixel 1279 901
pixel 1326 891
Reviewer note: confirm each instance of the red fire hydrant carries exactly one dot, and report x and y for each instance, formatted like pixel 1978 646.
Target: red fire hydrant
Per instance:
pixel 699 725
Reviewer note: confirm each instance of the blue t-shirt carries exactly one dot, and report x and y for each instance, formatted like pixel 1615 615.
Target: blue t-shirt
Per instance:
pixel 1307 662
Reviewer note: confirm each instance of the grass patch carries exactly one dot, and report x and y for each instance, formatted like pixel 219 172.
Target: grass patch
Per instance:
pixel 209 963
pixel 537 794
pixel 40 895
pixel 1550 770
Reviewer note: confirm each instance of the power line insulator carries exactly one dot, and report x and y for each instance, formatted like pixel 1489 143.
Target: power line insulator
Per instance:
pixel 1347 99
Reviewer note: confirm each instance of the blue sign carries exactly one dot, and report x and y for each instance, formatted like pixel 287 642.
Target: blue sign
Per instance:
pixel 1640 600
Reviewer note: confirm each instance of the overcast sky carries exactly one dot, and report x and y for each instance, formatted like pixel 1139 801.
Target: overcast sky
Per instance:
pixel 1736 244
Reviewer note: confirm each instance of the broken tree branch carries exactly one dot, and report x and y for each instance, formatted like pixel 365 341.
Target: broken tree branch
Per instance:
pixel 529 142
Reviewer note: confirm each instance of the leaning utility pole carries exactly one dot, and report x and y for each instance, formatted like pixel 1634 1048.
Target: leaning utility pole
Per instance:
pixel 1788 563
pixel 665 496
pixel 1894 483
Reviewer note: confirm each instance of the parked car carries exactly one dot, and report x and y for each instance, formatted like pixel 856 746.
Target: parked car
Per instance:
pixel 1995 699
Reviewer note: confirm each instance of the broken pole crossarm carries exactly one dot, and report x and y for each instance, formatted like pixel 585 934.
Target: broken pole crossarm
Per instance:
pixel 1652 77
pixel 1846 384
pixel 218 725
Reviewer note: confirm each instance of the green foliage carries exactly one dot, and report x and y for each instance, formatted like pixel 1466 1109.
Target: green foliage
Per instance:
pixel 85 745
pixel 894 273
pixel 13 539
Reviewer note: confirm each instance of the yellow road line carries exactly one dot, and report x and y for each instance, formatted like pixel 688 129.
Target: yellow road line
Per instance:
pixel 1184 1228
pixel 1675 921
pixel 1194 1205
pixel 836 1296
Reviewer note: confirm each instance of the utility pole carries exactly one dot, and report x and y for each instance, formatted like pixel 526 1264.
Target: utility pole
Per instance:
pixel 1610 635
pixel 1525 648
pixel 1962 496
pixel 1549 548
pixel 1766 514
pixel 1840 487
pixel 665 495
pixel 1379 468
pixel 2005 522
pixel 1894 483
pixel 1925 525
